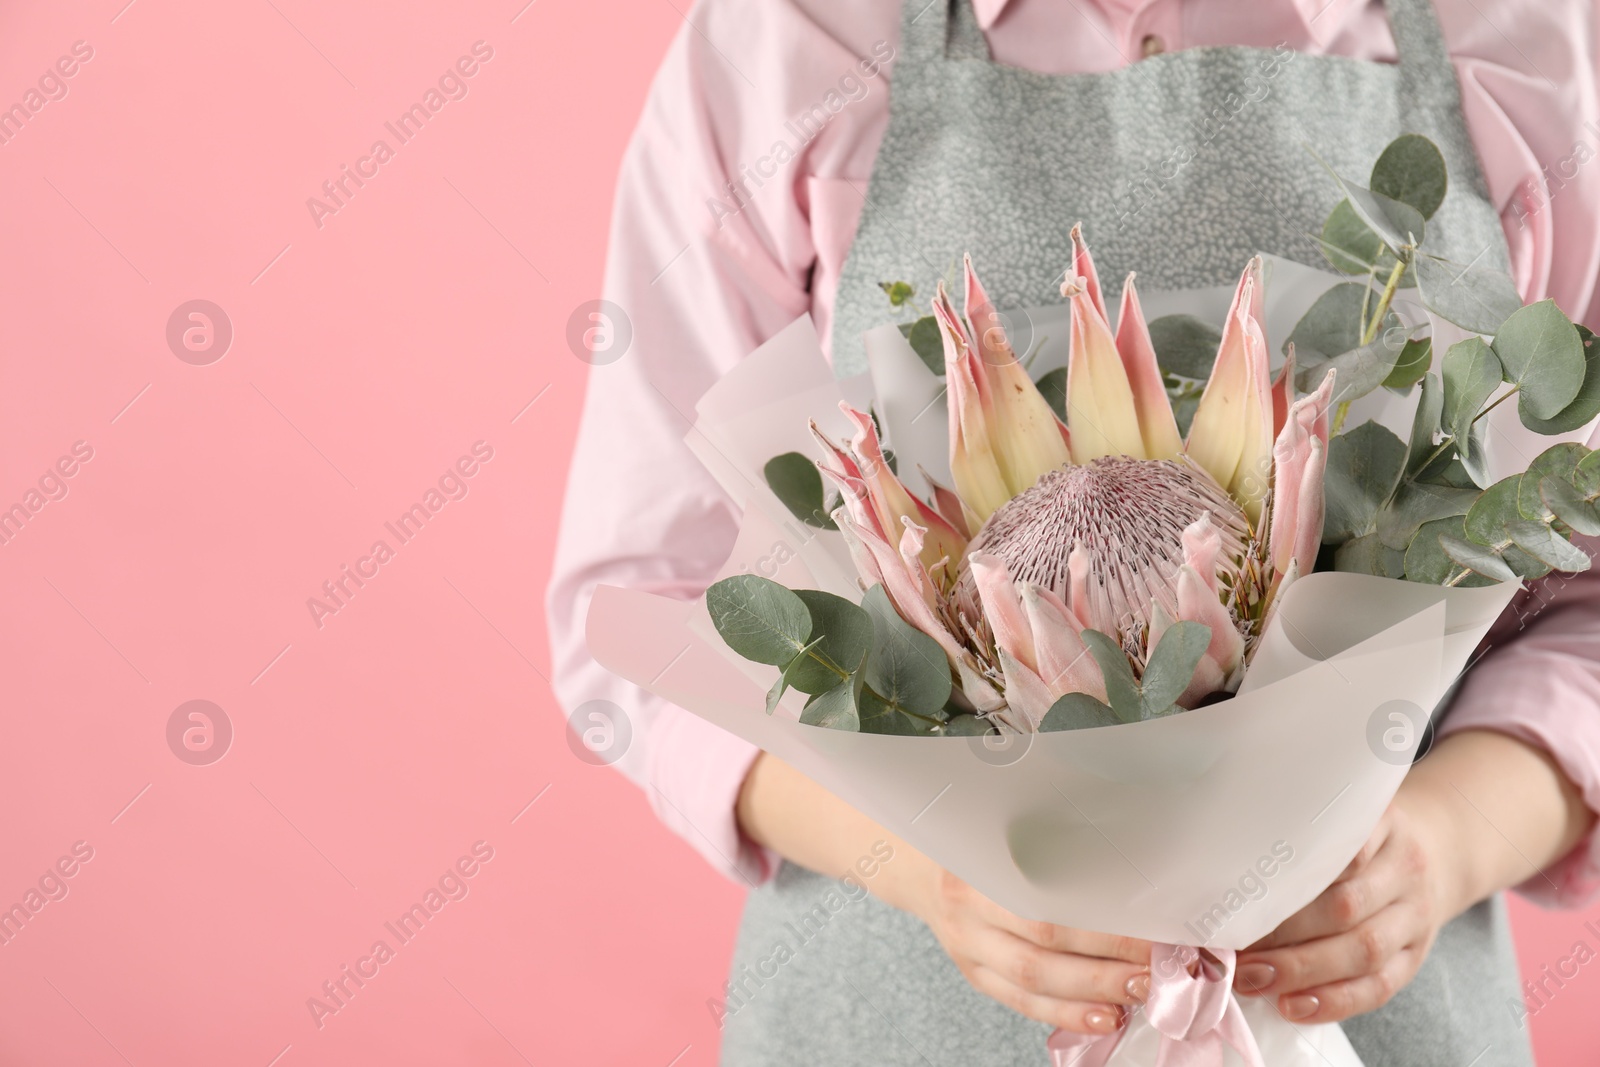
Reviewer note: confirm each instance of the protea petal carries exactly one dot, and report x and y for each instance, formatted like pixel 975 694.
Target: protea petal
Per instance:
pixel 948 504
pixel 1025 690
pixel 1065 665
pixel 1026 434
pixel 1197 602
pixel 974 459
pixel 1231 435
pixel 1100 405
pixel 1083 267
pixel 1283 391
pixel 878 563
pixel 1003 608
pixel 1157 426
pixel 893 502
pixel 1299 456
pixel 1202 544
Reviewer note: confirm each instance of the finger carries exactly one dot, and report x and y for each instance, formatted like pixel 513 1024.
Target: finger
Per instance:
pixel 1078 1016
pixel 1346 904
pixel 1341 1000
pixel 1066 939
pixel 1059 975
pixel 1365 950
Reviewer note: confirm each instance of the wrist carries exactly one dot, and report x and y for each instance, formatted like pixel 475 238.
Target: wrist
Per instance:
pixel 1456 881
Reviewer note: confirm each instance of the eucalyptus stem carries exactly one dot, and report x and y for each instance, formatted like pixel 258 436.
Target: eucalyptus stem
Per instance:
pixel 1400 264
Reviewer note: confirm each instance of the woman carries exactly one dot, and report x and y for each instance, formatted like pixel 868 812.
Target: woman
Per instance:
pixel 795 153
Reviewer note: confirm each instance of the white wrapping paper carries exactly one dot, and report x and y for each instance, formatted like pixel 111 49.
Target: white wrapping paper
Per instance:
pixel 1205 828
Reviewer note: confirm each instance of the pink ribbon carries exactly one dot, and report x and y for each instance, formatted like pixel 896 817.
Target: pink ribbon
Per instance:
pixel 1191 1006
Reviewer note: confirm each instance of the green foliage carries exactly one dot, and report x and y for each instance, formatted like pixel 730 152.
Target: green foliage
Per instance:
pixel 926 341
pixel 759 619
pixel 1185 346
pixel 1167 674
pixel 1474 297
pixel 1077 711
pixel 898 292
pixel 1364 468
pixel 1052 386
pixel 797 484
pixel 1411 365
pixel 1543 358
pixel 1412 171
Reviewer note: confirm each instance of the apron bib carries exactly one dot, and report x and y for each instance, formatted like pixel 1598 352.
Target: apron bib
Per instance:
pixel 1181 166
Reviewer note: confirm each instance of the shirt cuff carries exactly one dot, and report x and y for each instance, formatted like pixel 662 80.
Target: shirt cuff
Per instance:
pixel 1547 706
pixel 695 774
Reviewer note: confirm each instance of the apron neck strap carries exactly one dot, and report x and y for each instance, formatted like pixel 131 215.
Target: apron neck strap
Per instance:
pixel 933 30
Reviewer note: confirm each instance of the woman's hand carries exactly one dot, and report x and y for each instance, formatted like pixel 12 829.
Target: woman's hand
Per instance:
pixel 1357 944
pixel 1072 979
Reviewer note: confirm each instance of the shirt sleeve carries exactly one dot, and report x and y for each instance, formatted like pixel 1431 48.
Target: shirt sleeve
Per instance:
pixel 710 254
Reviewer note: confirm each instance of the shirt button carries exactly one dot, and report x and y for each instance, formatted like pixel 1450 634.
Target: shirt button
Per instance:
pixel 1152 45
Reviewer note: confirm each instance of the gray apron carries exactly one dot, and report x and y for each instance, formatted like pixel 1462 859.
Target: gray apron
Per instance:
pixel 1181 166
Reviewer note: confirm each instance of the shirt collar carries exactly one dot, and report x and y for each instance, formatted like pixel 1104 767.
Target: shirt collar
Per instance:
pixel 1322 18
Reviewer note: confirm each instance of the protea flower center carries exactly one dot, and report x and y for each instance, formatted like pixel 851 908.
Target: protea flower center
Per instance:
pixel 1129 516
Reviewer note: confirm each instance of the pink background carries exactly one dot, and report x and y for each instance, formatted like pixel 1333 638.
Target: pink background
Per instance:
pixel 367 355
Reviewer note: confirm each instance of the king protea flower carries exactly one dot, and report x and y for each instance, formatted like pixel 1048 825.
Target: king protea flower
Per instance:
pixel 1111 521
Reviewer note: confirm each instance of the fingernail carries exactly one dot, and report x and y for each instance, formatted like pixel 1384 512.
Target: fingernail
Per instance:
pixel 1138 987
pixel 1300 1007
pixel 1254 977
pixel 1102 1022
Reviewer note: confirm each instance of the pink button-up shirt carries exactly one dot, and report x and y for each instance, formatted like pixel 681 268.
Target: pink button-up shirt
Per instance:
pixel 737 202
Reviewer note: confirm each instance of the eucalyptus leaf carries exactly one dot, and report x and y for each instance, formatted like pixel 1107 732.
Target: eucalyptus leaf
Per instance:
pixel 1363 468
pixel 1368 554
pixel 1543 356
pixel 1332 324
pixel 1425 430
pixel 1361 370
pixel 1494 509
pixel 1569 505
pixel 1548 547
pixel 1185 345
pixel 835 709
pixel 1472 453
pixel 1476 558
pixel 1171 666
pixel 1557 461
pixel 1411 365
pixel 1121 687
pixel 781 686
pixel 878 716
pixel 906 667
pixel 1183 408
pixel 1586 476
pixel 797 484
pixel 1585 406
pixel 1416 503
pixel 759 619
pixel 965 725
pixel 1426 561
pixel 1077 711
pixel 1350 245
pixel 1052 385
pixel 1397 223
pixel 1471 374
pixel 1475 297
pixel 928 343
pixel 1412 171
pixel 841 635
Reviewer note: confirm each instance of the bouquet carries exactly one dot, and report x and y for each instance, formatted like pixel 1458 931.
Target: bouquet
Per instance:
pixel 1136 621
